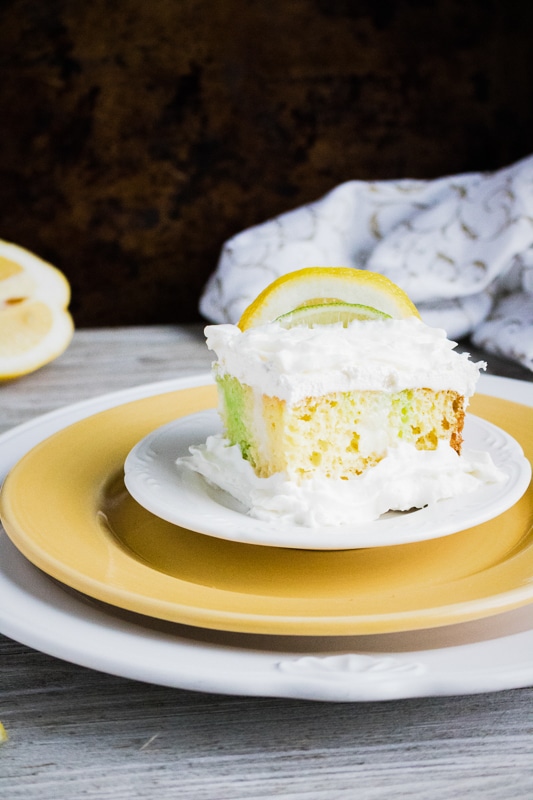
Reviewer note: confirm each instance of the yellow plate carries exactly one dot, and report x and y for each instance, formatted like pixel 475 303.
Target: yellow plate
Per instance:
pixel 65 507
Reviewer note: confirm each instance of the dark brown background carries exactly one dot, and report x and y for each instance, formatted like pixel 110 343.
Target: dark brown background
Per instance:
pixel 137 136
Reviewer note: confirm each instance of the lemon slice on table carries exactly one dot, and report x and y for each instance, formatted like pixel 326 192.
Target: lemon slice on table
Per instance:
pixel 35 326
pixel 315 287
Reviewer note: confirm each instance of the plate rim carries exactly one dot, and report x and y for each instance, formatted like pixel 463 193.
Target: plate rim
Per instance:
pixel 93 636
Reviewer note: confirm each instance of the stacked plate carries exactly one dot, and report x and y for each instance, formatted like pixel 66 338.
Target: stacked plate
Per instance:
pixel 164 579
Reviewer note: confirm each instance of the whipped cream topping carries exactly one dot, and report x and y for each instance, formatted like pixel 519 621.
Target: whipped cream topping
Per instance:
pixel 370 355
pixel 406 478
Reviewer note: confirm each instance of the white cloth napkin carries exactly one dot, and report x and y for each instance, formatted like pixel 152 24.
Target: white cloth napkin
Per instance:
pixel 460 246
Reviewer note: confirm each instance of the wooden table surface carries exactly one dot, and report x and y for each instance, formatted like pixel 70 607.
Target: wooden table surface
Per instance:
pixel 78 733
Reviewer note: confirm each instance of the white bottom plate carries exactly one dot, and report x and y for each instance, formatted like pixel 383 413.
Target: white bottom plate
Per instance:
pixel 487 655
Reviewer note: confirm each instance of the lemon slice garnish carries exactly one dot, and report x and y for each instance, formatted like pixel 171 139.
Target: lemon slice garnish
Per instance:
pixel 317 286
pixel 329 314
pixel 35 326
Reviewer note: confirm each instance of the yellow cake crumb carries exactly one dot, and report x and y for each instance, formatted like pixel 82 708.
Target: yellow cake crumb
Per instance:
pixel 339 434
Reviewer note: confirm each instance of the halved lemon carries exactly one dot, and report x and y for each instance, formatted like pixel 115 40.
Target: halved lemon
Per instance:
pixel 35 325
pixel 329 314
pixel 3 734
pixel 318 286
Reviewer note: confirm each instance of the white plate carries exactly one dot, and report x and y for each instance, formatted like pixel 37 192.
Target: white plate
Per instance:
pixel 487 655
pixel 185 498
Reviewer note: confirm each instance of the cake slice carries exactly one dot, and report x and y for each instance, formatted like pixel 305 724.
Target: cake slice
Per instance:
pixel 333 396
pixel 338 403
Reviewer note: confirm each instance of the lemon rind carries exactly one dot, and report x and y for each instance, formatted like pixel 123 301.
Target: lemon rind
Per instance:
pixel 320 284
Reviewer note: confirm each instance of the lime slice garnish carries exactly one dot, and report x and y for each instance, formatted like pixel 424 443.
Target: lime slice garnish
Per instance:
pixel 330 314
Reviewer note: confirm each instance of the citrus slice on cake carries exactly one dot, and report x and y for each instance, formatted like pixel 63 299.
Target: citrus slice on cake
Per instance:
pixel 35 326
pixel 313 287
pixel 329 314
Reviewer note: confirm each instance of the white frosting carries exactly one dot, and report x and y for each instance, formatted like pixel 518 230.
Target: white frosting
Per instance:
pixel 407 478
pixel 380 355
